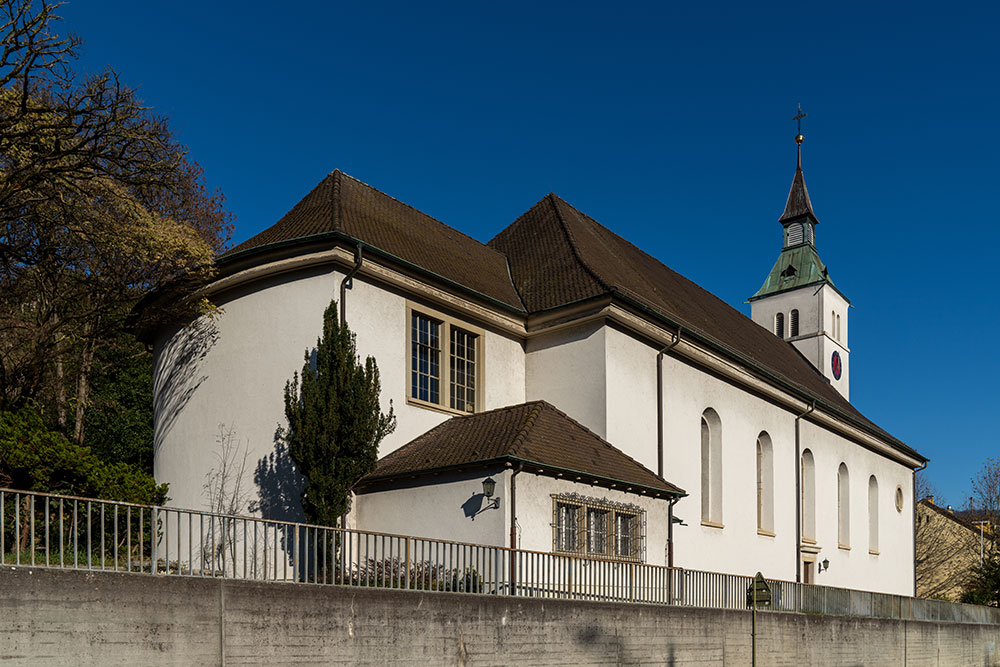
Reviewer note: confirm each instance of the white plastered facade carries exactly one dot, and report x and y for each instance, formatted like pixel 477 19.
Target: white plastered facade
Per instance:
pixel 440 510
pixel 601 371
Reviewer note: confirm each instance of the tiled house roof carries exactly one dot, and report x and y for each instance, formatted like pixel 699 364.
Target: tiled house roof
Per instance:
pixel 535 434
pixel 559 255
pixel 341 203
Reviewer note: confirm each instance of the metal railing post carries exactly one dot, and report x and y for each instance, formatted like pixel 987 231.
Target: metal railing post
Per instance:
pixel 152 540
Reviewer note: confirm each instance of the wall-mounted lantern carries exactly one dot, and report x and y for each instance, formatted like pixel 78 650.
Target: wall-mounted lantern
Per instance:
pixel 825 565
pixel 489 486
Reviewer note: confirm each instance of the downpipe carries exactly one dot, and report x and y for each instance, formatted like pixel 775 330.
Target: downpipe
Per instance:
pixel 358 261
pixel 798 494
pixel 659 401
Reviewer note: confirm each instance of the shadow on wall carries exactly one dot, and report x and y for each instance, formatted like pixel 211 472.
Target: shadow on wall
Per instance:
pixel 597 637
pixel 473 505
pixel 279 485
pixel 178 377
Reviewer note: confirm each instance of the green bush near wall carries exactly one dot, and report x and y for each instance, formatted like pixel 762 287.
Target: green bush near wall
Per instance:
pixel 34 458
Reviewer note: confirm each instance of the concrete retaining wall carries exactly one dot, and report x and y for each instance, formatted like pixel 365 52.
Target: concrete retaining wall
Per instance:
pixel 56 618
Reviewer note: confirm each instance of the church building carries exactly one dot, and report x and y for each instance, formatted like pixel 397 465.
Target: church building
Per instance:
pixel 556 389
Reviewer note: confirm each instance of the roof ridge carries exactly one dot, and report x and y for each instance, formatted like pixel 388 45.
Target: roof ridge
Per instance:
pixel 510 277
pixel 554 199
pixel 529 423
pixel 607 445
pixel 335 198
pixel 417 210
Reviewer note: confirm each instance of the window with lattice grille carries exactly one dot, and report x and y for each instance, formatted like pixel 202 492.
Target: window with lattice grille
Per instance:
pixel 598 528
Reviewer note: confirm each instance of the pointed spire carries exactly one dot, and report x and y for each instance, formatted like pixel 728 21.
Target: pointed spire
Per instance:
pixel 798 204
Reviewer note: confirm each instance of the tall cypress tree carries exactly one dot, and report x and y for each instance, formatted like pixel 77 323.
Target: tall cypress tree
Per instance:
pixel 335 422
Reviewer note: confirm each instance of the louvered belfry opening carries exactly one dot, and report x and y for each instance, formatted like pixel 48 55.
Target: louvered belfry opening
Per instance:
pixel 794 234
pixel 793 323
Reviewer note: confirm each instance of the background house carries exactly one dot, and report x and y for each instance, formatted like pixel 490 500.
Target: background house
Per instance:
pixel 948 548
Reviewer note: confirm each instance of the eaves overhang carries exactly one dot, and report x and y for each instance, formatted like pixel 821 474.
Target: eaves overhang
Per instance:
pixel 817 283
pixel 372 484
pixel 277 250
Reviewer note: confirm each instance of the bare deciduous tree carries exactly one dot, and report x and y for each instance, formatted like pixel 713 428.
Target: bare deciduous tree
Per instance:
pixel 227 494
pixel 98 207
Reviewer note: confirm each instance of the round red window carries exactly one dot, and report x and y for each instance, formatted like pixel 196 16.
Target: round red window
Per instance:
pixel 836 365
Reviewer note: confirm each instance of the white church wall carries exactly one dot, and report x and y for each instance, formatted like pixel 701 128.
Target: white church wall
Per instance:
pixel 738 547
pixel 535 507
pixel 566 368
pixel 232 378
pixel 631 392
pixel 444 510
pixel 259 340
pixel 891 571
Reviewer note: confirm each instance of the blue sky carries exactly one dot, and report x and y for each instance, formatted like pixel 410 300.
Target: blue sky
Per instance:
pixel 668 122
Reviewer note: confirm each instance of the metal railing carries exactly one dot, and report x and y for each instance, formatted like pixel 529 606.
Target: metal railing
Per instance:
pixel 48 530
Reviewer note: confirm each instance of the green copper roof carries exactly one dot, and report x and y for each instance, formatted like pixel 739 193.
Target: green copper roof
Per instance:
pixel 797 266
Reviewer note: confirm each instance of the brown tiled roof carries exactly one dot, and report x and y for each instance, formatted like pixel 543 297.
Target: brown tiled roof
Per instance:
pixel 535 433
pixel 559 255
pixel 341 203
pixel 555 255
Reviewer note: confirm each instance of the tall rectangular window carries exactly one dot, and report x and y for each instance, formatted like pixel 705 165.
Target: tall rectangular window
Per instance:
pixel 446 362
pixel 425 363
pixel 567 526
pixel 626 535
pixel 597 530
pixel 463 370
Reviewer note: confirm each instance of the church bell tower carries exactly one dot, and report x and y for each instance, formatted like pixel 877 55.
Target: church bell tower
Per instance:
pixel 798 301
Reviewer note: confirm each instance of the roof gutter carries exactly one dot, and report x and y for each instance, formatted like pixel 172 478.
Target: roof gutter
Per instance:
pixel 516 460
pixel 372 250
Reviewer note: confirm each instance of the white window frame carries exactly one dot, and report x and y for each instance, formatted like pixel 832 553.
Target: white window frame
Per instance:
pixel 446 323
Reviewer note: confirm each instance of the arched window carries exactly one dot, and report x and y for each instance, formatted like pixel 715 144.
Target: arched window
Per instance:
pixel 838 327
pixel 779 325
pixel 808 472
pixel 711 467
pixel 765 484
pixel 793 323
pixel 843 507
pixel 833 323
pixel 872 515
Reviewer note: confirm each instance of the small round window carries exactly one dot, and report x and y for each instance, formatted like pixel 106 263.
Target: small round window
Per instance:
pixel 899 499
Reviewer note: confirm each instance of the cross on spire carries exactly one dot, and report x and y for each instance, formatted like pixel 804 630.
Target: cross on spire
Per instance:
pixel 798 120
pixel 798 137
